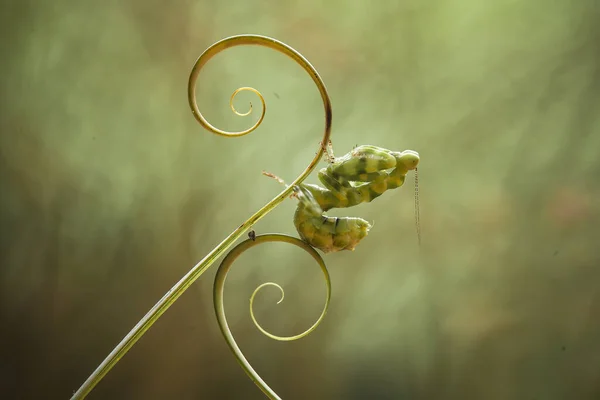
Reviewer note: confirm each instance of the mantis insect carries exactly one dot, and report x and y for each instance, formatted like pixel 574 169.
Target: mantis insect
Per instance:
pixel 360 176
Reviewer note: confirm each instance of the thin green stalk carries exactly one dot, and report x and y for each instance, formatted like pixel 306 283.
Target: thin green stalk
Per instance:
pixel 180 287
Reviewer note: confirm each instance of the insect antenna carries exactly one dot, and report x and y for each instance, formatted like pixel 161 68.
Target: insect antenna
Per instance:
pixel 417 216
pixel 278 179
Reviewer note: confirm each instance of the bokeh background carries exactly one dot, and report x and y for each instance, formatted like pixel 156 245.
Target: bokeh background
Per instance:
pixel 111 192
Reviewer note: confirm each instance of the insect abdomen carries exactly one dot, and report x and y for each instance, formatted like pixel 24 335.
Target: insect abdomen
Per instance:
pixel 330 234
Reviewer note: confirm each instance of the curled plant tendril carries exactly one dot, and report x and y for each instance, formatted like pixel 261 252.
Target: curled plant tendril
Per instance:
pixel 186 281
pixel 285 338
pixel 262 100
pixel 261 41
pixel 218 290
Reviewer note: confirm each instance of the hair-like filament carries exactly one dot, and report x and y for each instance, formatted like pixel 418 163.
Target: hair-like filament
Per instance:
pixel 417 214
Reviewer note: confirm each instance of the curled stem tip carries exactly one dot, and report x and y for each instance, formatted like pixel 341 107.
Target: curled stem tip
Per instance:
pixel 262 100
pixel 250 40
pixel 262 286
pixel 218 290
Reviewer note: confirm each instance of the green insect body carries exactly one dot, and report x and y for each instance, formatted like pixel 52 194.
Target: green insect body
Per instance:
pixel 360 176
pixel 326 233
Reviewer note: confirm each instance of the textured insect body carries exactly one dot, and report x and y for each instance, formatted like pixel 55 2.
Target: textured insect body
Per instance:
pixel 328 234
pixel 361 160
pixel 363 177
pixel 360 176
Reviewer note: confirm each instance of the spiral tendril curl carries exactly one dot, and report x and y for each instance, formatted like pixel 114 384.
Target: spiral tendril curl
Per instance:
pixel 267 333
pixel 262 100
pixel 218 290
pixel 188 279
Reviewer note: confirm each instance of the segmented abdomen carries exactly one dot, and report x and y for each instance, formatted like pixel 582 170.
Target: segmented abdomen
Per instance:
pixel 330 234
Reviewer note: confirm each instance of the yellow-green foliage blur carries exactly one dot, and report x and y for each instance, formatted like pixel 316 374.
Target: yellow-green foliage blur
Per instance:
pixel 111 192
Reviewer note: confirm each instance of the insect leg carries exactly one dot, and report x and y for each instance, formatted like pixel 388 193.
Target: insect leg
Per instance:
pixel 307 201
pixel 333 182
pixel 328 148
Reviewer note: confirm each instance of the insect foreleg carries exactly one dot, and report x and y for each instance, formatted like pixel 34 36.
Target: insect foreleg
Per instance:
pixel 342 191
pixel 308 203
pixel 329 150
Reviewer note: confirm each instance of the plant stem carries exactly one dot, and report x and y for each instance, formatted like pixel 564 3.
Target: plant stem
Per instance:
pixel 180 287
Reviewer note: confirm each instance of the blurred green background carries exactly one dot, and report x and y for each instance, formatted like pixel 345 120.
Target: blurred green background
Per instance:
pixel 111 192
